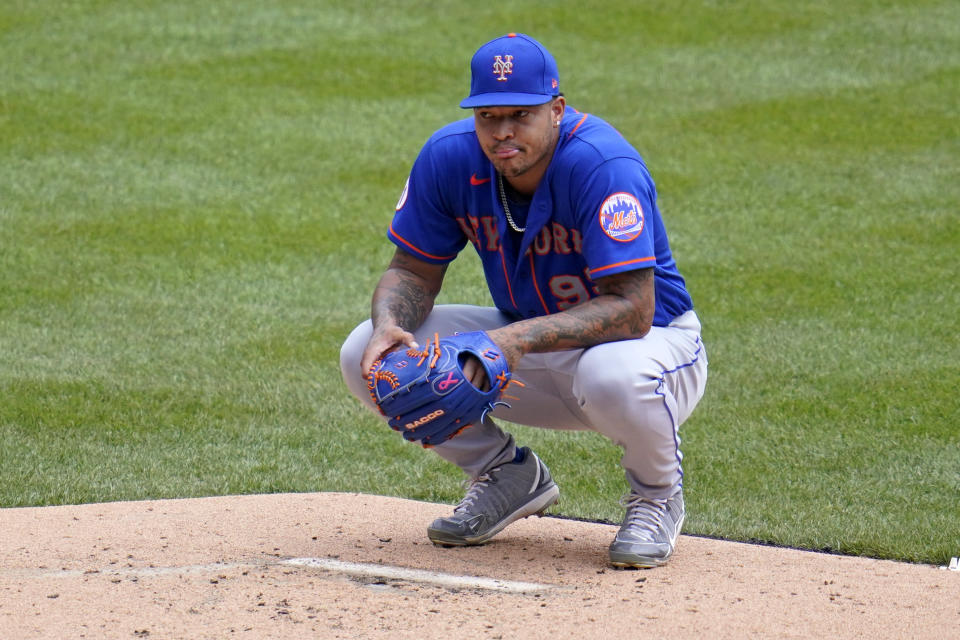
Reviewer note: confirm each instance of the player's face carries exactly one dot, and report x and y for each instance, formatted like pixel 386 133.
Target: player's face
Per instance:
pixel 519 141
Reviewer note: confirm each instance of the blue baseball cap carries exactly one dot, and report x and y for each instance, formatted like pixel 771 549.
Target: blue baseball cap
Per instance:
pixel 512 70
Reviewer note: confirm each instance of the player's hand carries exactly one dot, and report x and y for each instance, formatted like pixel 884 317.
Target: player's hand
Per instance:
pixel 384 340
pixel 472 368
pixel 475 374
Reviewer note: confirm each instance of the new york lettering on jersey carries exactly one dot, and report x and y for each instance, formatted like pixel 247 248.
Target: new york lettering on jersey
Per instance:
pixel 549 276
pixel 593 215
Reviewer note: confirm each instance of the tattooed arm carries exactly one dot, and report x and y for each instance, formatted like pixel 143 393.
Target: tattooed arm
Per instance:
pixel 623 310
pixel 403 298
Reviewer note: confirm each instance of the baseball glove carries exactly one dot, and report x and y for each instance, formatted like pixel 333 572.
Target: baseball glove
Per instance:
pixel 425 395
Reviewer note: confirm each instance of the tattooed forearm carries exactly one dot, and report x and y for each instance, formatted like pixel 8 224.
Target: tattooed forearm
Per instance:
pixel 603 319
pixel 401 298
pixel 406 291
pixel 624 310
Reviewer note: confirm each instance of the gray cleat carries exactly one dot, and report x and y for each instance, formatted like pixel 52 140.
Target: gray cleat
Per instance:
pixel 649 531
pixel 498 497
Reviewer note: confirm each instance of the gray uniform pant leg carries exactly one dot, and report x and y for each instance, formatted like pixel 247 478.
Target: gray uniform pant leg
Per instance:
pixel 639 392
pixel 635 392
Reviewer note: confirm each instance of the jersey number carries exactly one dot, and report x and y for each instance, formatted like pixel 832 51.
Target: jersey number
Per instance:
pixel 569 291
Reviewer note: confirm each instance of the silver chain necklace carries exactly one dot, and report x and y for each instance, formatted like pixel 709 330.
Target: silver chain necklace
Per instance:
pixel 506 207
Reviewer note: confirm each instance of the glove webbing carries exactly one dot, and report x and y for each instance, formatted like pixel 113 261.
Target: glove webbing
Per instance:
pixel 413 353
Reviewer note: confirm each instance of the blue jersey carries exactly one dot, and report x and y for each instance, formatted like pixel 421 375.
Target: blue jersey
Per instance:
pixel 594 214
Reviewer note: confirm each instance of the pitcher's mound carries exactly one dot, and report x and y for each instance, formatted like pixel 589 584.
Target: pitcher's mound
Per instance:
pixel 334 565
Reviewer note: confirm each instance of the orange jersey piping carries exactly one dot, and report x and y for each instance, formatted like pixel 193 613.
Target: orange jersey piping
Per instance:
pixel 533 278
pixel 423 253
pixel 506 278
pixel 577 126
pixel 620 264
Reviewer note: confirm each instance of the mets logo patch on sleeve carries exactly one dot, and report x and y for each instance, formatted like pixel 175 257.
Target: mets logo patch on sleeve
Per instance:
pixel 621 217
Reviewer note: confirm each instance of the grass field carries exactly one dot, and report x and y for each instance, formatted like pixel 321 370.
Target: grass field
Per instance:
pixel 193 204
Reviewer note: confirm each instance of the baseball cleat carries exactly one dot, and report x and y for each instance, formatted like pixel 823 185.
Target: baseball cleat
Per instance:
pixel 649 531
pixel 496 498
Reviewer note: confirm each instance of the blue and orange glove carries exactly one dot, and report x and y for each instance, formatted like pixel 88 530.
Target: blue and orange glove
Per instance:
pixel 424 394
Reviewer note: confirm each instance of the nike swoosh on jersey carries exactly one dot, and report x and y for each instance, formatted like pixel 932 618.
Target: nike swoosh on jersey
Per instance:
pixel 475 181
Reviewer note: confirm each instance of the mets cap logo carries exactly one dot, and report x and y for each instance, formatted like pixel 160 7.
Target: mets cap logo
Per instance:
pixel 502 67
pixel 621 217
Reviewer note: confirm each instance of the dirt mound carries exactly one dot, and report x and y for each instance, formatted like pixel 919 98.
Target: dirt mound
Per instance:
pixel 333 565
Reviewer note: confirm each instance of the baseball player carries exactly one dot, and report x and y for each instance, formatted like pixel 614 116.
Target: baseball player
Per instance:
pixel 590 309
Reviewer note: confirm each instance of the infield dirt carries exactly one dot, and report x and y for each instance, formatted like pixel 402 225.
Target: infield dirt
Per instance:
pixel 333 565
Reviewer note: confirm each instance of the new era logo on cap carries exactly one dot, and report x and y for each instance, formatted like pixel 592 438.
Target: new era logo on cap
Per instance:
pixel 513 70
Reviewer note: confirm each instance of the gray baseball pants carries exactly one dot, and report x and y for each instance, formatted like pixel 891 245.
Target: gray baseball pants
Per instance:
pixel 637 393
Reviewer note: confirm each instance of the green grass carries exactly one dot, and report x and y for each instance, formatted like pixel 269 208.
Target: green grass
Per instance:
pixel 193 200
